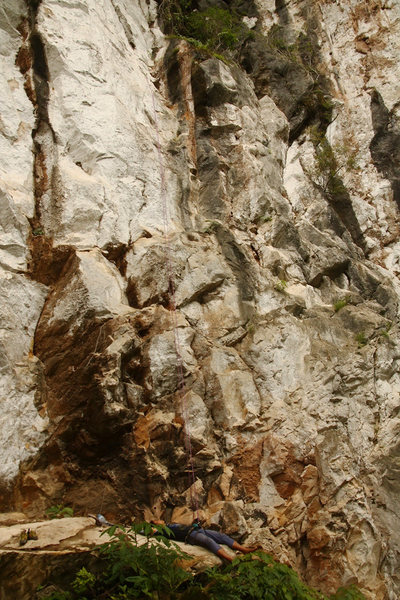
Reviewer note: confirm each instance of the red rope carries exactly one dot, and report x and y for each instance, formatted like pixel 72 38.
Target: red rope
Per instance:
pixel 179 362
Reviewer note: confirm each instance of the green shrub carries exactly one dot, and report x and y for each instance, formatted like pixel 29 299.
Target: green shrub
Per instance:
pixel 59 511
pixel 84 581
pixel 213 29
pixel 340 304
pixel 127 570
pixel 280 286
pixel 212 227
pixel 261 578
pixel 386 329
pixel 264 219
pixel 330 163
pixel 361 339
pixel 350 593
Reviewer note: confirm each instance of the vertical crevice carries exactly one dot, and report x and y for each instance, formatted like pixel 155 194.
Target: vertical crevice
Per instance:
pixel 185 59
pixel 32 62
pixel 178 64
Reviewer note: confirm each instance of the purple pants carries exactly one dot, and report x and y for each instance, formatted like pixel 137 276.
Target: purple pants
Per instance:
pixel 210 539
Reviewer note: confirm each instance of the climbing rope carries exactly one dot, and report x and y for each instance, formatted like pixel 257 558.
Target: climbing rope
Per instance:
pixel 171 289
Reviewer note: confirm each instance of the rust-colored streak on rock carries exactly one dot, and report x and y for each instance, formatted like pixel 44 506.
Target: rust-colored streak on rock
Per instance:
pixel 185 58
pixel 289 480
pixel 24 61
pixel 46 263
pixel 42 184
pixel 284 465
pixel 247 470
pixel 94 428
pixel 143 430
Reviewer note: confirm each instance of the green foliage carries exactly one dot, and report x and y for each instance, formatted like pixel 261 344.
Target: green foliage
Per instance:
pixel 350 593
pixel 330 163
pixel 264 219
pixel 340 304
pixel 386 329
pixel 250 327
pixel 173 14
pixel 84 581
pixel 148 567
pixel 276 40
pixel 302 51
pixel 280 286
pixel 361 339
pixel 259 579
pixel 213 29
pixel 59 511
pixel 212 227
pixel 320 102
pixel 130 568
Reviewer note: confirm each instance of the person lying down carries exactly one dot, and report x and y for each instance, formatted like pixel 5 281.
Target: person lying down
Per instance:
pixel 207 538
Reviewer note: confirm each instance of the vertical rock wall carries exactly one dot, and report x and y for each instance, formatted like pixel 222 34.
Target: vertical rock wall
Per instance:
pixel 258 198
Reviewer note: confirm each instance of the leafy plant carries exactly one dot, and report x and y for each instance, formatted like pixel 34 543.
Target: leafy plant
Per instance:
pixel 340 304
pixel 259 577
pixel 59 511
pixel 130 567
pixel 385 331
pixel 361 339
pixel 250 327
pixel 149 567
pixel 330 163
pixel 350 593
pixel 38 231
pixel 280 286
pixel 84 581
pixel 212 227
pixel 213 29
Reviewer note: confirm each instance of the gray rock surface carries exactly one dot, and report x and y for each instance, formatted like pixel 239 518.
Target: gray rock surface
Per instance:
pixel 205 249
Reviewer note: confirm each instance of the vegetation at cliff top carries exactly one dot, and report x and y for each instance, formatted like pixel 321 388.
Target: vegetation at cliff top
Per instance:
pixel 222 33
pixel 126 570
pixel 213 29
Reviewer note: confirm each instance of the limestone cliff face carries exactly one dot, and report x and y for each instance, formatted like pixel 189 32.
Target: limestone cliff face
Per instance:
pixel 260 198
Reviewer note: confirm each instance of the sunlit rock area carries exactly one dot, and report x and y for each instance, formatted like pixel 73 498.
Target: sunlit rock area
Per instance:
pixel 199 275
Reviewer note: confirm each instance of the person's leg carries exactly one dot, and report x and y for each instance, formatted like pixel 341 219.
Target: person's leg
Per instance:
pixel 222 538
pixel 244 549
pixel 222 554
pixel 199 538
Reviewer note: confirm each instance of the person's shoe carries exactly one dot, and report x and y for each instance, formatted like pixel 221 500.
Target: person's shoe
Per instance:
pixel 32 535
pixel 23 538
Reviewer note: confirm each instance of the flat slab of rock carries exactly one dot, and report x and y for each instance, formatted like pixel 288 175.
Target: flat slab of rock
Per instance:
pixel 63 546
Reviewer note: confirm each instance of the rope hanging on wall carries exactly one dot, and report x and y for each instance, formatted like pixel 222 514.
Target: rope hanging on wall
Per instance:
pixel 182 392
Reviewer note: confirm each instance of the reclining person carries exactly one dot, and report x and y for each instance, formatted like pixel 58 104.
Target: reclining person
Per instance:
pixel 207 538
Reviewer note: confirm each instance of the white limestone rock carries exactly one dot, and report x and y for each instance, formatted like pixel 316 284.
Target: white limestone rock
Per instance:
pixel 109 123
pixel 91 286
pixel 23 418
pixel 171 358
pixel 16 124
pixel 232 396
pixel 191 261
